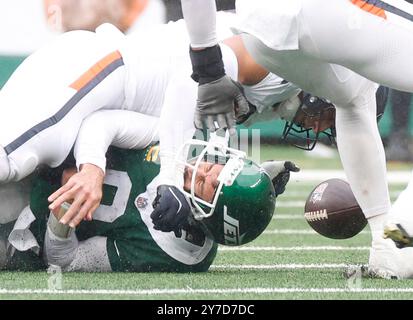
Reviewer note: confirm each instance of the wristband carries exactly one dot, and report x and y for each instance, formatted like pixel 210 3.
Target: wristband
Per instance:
pixel 207 64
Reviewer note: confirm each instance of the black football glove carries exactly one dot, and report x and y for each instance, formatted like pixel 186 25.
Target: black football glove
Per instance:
pixel 279 172
pixel 171 210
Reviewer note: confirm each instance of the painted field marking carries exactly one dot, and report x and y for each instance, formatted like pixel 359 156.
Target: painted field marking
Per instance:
pixel 288 217
pixel 300 232
pixel 393 176
pixel 290 204
pixel 301 248
pixel 174 291
pixel 304 195
pixel 295 204
pixel 288 266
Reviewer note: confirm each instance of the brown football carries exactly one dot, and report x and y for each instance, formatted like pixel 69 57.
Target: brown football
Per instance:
pixel 332 210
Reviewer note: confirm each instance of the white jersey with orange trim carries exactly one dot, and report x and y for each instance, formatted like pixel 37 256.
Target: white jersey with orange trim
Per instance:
pixel 54 89
pixel 330 49
pixel 373 38
pixel 50 94
pixel 201 23
pixel 153 58
pixel 262 18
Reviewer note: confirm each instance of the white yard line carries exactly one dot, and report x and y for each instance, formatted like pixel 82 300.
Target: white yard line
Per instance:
pixel 288 217
pixel 304 195
pixel 152 292
pixel 288 266
pixel 290 204
pixel 299 232
pixel 301 248
pixel 291 232
pixel 393 176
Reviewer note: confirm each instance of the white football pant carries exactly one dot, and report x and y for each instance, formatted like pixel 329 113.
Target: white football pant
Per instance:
pixel 333 33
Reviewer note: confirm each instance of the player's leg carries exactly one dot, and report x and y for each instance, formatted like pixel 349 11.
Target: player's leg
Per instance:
pixel 45 100
pixel 70 254
pixel 91 256
pixel 102 254
pixel 14 197
pixel 62 248
pixel 59 250
pixel 363 158
pixel 362 153
pixel 400 226
pixel 359 143
pixel 372 38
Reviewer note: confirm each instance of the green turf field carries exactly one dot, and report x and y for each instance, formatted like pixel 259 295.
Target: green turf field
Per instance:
pixel 288 261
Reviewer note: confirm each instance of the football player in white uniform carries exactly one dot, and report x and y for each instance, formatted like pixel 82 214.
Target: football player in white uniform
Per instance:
pixel 315 44
pixel 372 38
pixel 135 74
pixel 82 72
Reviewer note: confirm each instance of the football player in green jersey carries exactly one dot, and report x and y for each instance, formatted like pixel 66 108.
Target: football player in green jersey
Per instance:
pixel 122 237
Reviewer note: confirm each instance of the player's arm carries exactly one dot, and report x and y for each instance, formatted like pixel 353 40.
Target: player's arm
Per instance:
pixel 62 248
pixel 119 128
pixel 171 208
pixel 200 19
pixel 124 129
pixel 217 92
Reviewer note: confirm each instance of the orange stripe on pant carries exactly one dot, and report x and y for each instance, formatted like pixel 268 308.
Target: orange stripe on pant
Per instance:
pixel 370 8
pixel 89 75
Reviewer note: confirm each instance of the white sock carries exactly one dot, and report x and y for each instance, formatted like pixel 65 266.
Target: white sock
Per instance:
pixel 376 224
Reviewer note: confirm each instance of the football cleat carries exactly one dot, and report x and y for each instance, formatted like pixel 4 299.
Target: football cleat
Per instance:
pixel 398 234
pixel 364 272
pixel 388 262
pixel 352 271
